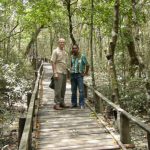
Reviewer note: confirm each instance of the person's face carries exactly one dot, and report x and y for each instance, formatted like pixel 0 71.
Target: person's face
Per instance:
pixel 61 44
pixel 75 50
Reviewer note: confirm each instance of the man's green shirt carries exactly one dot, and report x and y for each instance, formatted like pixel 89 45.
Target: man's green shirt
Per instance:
pixel 78 63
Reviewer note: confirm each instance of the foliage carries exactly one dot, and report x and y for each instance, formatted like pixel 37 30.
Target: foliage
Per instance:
pixel 133 96
pixel 15 80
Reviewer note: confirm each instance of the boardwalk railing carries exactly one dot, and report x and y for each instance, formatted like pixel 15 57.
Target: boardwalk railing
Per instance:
pixel 125 117
pixel 26 140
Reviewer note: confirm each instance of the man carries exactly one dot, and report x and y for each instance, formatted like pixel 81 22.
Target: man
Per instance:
pixel 59 66
pixel 79 68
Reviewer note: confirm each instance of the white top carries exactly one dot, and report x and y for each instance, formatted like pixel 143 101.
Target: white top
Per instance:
pixel 60 58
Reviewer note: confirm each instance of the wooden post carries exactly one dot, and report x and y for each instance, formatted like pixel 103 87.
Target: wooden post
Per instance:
pixel 34 63
pixel 124 129
pixel 37 92
pixel 22 121
pixel 36 74
pixel 30 138
pixel 29 94
pixel 85 91
pixel 39 61
pixel 101 108
pixel 148 140
pixel 41 69
pixel 97 103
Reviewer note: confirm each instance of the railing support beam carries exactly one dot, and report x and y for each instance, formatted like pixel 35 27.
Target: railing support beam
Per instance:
pixel 97 103
pixel 148 140
pixel 22 121
pixel 29 94
pixel 124 129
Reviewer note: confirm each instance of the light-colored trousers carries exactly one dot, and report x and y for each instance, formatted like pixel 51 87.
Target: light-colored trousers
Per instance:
pixel 60 89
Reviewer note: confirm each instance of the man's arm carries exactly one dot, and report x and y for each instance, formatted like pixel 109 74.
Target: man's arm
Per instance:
pixel 68 65
pixel 53 62
pixel 86 65
pixel 54 69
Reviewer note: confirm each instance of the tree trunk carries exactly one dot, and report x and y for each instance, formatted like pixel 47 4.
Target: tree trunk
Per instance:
pixel 91 45
pixel 68 4
pixel 19 42
pixel 133 57
pixel 100 44
pixel 136 36
pixel 51 41
pixel 8 42
pixel 33 38
pixel 110 56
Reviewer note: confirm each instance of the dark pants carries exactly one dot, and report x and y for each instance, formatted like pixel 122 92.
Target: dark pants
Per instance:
pixel 77 82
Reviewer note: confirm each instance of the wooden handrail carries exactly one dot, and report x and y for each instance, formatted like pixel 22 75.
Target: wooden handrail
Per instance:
pixel 26 140
pixel 125 118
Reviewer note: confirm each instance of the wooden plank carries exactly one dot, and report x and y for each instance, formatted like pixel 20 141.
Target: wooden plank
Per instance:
pixel 48 125
pixel 63 114
pixel 71 132
pixel 87 127
pixel 74 135
pixel 79 147
pixel 85 148
pixel 80 142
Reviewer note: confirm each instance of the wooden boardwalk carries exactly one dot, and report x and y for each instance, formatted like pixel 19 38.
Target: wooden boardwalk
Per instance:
pixel 68 129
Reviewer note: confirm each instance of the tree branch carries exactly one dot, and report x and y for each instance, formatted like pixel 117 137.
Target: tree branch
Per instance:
pixel 10 35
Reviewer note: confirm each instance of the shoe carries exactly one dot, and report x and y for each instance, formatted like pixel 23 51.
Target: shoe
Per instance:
pixel 74 106
pixel 64 106
pixel 82 107
pixel 57 107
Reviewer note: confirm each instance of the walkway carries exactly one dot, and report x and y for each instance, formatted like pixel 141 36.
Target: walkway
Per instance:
pixel 68 129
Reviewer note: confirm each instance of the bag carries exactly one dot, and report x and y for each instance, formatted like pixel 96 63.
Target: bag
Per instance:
pixel 52 84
